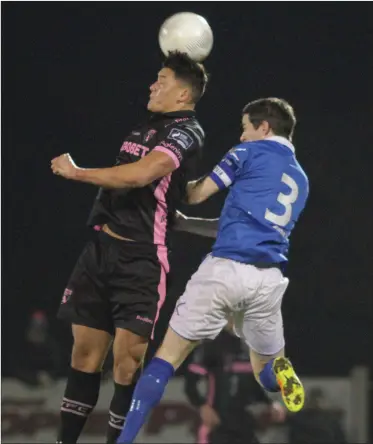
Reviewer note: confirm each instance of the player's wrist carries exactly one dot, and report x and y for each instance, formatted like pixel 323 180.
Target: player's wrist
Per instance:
pixel 79 174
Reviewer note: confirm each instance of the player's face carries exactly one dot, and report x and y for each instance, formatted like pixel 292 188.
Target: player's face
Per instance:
pixel 249 133
pixel 167 93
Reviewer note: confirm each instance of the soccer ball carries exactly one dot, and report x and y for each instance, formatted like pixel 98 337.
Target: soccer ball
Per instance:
pixel 186 32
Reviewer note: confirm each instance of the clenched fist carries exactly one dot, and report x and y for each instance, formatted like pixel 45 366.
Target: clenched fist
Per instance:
pixel 64 166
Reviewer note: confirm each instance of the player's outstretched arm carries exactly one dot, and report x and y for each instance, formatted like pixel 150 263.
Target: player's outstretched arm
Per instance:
pixel 200 190
pixel 134 175
pixel 196 225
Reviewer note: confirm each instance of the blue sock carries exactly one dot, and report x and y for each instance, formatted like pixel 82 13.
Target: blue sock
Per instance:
pixel 268 378
pixel 147 394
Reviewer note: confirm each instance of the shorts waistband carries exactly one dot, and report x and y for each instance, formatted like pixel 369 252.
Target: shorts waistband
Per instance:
pixel 268 265
pixel 144 247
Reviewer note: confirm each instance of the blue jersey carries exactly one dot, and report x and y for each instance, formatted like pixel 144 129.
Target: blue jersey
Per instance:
pixel 268 191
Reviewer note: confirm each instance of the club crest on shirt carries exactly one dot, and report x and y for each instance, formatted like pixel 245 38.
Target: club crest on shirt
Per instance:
pixel 149 135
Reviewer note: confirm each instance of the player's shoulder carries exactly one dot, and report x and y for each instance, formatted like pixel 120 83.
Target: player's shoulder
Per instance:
pixel 193 127
pixel 188 130
pixel 241 149
pixel 268 147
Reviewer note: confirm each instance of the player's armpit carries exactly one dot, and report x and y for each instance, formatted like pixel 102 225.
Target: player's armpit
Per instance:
pixel 138 174
pixel 197 225
pixel 200 190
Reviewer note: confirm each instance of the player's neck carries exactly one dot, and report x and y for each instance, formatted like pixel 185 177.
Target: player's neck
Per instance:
pixel 180 108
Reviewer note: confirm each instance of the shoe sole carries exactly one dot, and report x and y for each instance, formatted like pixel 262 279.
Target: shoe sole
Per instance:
pixel 292 389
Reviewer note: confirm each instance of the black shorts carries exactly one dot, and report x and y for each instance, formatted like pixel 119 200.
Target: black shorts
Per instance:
pixel 117 283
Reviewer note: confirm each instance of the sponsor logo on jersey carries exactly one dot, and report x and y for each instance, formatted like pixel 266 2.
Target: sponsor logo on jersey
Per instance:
pixel 134 148
pixel 142 319
pixel 173 148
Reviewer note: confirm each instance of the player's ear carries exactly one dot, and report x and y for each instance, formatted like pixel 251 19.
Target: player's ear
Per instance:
pixel 185 95
pixel 265 127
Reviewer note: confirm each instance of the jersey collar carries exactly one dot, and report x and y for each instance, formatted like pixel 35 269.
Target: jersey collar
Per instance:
pixel 181 113
pixel 155 117
pixel 283 141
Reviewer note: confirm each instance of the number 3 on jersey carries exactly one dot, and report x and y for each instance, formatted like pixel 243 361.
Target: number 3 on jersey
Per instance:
pixel 286 200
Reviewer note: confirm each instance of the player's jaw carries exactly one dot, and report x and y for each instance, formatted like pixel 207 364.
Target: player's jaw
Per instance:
pixel 164 100
pixel 167 94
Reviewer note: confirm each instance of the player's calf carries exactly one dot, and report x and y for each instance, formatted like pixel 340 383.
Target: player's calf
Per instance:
pixel 128 350
pixel 150 388
pixel 83 383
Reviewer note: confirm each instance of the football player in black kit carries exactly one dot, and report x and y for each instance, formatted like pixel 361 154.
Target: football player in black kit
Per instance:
pixel 119 282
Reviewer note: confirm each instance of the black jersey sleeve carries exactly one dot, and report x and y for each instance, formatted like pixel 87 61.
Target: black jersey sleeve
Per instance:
pixel 179 142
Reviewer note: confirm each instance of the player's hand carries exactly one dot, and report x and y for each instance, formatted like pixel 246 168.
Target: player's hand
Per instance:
pixel 64 166
pixel 209 416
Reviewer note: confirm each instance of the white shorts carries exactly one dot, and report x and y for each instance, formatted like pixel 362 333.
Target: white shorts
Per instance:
pixel 222 287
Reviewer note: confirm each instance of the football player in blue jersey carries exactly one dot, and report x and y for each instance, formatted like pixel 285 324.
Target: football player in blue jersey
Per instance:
pixel 243 275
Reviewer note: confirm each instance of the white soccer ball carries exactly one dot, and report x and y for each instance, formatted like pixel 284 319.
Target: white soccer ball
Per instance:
pixel 186 32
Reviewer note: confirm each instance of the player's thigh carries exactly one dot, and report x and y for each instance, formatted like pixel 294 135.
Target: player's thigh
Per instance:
pixel 260 323
pixel 138 288
pixel 128 350
pixel 86 300
pixel 175 349
pixel 202 311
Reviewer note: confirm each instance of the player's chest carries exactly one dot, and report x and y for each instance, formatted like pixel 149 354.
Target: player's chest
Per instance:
pixel 138 144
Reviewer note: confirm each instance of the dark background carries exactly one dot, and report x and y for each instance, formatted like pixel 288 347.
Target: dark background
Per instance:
pixel 75 78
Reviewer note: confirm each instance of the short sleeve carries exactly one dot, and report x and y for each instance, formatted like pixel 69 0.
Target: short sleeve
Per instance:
pixel 178 143
pixel 227 170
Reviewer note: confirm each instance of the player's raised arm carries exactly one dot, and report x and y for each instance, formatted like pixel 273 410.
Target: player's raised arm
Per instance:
pixel 221 177
pixel 175 145
pixel 196 225
pixel 137 174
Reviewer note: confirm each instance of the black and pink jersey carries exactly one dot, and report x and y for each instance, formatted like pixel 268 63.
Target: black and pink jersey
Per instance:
pixel 146 214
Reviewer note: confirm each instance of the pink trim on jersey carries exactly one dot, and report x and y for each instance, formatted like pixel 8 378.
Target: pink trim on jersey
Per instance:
pixel 160 228
pixel 199 370
pixel 160 217
pixel 97 227
pixel 203 431
pixel 241 367
pixel 173 156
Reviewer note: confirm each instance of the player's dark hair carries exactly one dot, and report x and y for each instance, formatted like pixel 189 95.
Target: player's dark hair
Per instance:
pixel 277 112
pixel 188 71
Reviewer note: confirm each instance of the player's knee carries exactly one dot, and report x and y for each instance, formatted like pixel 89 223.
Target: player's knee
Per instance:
pixel 125 367
pixel 87 358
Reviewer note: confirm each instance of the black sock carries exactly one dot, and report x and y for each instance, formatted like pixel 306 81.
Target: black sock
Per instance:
pixel 120 404
pixel 80 398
